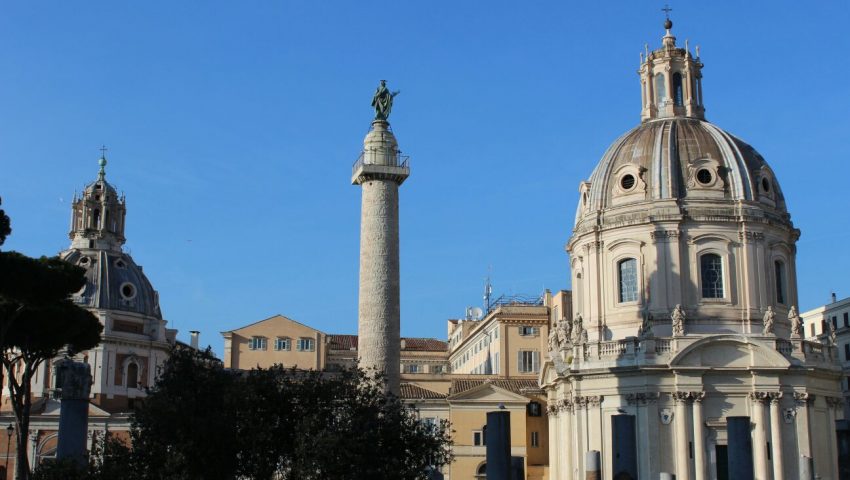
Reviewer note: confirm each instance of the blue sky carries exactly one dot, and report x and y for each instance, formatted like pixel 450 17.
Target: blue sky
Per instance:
pixel 232 127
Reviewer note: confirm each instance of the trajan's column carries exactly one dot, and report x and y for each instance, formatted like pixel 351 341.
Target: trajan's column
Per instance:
pixel 380 170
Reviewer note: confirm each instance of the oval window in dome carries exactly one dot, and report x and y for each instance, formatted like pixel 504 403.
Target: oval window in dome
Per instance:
pixel 120 263
pixel 627 182
pixel 85 261
pixel 704 176
pixel 765 185
pixel 128 291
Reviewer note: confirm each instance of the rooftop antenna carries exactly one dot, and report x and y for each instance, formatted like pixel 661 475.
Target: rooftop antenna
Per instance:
pixel 488 290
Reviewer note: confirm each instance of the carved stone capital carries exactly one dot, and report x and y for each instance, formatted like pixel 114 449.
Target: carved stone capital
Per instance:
pixel 681 397
pixel 665 234
pixel 594 400
pixel 803 398
pixel 833 402
pixel 565 405
pixel 642 398
pixel 774 397
pixel 747 237
pixel 552 410
pixel 698 397
pixel 758 396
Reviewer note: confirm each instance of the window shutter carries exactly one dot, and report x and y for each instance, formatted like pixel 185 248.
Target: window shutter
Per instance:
pixel 535 362
pixel 519 364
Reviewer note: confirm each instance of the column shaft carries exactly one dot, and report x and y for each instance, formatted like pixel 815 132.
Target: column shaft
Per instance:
pixel 682 462
pixel 760 441
pixel 776 439
pixel 699 441
pixel 378 326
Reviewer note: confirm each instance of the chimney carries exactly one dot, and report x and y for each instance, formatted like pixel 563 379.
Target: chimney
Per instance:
pixel 833 297
pixel 194 342
pixel 403 344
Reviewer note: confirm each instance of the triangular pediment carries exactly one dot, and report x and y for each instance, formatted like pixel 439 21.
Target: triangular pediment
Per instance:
pixel 488 393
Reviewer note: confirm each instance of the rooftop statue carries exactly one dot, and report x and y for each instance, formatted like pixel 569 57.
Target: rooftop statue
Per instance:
pixel 382 101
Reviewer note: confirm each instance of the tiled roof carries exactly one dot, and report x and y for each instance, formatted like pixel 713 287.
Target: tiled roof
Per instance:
pixel 347 342
pixel 342 342
pixel 425 344
pixel 411 391
pixel 513 385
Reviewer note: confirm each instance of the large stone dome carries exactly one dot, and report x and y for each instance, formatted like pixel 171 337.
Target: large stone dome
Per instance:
pixel 114 282
pixel 683 159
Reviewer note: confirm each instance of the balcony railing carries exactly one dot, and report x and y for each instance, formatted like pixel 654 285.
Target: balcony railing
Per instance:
pixel 369 157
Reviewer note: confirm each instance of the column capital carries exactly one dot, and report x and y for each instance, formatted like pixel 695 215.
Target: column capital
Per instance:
pixel 565 405
pixel 758 396
pixel 642 398
pixel 774 397
pixel 681 397
pixel 552 410
pixel 804 398
pixel 833 402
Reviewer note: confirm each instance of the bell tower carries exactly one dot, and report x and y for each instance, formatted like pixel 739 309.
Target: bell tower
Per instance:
pixel 97 217
pixel 671 80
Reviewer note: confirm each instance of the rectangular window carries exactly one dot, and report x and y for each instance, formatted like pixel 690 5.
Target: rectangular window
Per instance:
pixel 258 343
pixel 477 438
pixel 306 345
pixel 436 369
pixel 803 330
pixel 627 272
pixel 779 267
pixel 528 362
pixel 711 275
pixel 282 343
pixel 528 331
pixel 535 439
pixel 835 323
pixel 846 320
pixel 413 368
pixel 847 351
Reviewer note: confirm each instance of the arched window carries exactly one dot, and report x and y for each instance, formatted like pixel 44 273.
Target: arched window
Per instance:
pixel 132 375
pixel 677 89
pixel 779 268
pixel 481 471
pixel 711 275
pixel 660 89
pixel 627 280
pixel 95 218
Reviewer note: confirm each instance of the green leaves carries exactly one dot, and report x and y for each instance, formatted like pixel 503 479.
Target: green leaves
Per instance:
pixel 201 421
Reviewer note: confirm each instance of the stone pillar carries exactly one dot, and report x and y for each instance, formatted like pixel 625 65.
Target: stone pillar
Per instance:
pixel 498 438
pixel 804 444
pixel 379 172
pixel 759 436
pixel 699 437
pixel 555 436
pixel 832 404
pixel 681 420
pixel 73 411
pixel 842 432
pixel 740 448
pixel 567 450
pixel 776 436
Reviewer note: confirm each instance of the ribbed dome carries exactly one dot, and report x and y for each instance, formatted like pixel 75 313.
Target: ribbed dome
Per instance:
pixel 679 159
pixel 113 282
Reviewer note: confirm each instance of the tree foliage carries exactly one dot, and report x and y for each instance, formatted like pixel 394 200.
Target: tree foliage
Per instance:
pixel 5 225
pixel 201 421
pixel 37 321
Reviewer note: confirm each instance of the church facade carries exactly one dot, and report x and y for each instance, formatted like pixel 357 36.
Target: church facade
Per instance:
pixel 682 260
